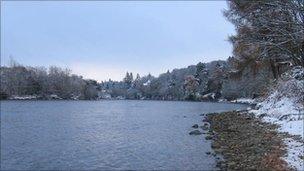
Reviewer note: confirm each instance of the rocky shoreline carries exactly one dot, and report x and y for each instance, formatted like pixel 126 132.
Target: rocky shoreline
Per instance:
pixel 243 142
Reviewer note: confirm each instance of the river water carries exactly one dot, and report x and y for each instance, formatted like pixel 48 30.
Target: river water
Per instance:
pixel 105 135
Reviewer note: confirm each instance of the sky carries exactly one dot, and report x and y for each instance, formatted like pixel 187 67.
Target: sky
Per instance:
pixel 102 40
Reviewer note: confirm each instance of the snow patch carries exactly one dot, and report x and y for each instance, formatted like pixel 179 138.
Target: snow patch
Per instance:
pixel 210 96
pixel 244 100
pixel 147 83
pixel 55 96
pixel 285 115
pixel 279 108
pixel 295 151
pixel 29 97
pixel 285 107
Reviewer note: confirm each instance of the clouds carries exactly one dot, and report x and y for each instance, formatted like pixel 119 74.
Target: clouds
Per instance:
pixel 100 72
pixel 133 36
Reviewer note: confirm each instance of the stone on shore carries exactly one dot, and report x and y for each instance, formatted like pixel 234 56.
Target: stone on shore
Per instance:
pixel 205 126
pixel 195 126
pixel 208 137
pixel 195 132
pixel 245 142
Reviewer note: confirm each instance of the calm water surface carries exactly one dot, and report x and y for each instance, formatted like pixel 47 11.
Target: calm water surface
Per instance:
pixel 105 135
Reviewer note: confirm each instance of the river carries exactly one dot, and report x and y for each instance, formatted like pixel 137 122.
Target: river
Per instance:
pixel 105 135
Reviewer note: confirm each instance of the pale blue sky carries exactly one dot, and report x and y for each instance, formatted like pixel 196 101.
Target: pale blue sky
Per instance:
pixel 103 40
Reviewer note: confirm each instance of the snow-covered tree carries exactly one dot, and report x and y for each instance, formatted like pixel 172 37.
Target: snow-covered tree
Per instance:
pixel 268 30
pixel 191 84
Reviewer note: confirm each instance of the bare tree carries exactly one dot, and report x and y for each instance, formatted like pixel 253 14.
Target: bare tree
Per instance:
pixel 268 30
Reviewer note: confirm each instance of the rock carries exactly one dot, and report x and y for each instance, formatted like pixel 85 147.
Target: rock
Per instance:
pixel 218 150
pixel 205 120
pixel 210 132
pixel 208 137
pixel 205 126
pixel 195 126
pixel 208 153
pixel 195 132
pixel 248 118
pixel 244 141
pixel 215 145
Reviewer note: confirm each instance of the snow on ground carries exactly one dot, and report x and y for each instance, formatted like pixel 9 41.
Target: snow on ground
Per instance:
pixel 210 96
pixel 284 107
pixel 244 100
pixel 293 124
pixel 29 97
pixel 281 107
pixel 294 149
pixel 55 96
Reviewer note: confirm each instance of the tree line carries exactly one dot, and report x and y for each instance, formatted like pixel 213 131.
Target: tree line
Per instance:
pixel 191 83
pixel 43 83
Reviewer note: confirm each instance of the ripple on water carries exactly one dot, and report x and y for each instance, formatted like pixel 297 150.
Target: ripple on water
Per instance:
pixel 64 135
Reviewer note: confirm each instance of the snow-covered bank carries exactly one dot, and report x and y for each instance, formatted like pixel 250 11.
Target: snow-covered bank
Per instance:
pixel 285 107
pixel 285 104
pixel 294 125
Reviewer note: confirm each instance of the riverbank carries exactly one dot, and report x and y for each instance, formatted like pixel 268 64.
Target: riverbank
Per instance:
pixel 55 97
pixel 246 142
